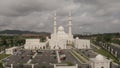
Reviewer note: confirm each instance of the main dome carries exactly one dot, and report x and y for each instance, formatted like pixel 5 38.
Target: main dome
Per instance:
pixel 61 33
pixel 99 57
pixel 60 28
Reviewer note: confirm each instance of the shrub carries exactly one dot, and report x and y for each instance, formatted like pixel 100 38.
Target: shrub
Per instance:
pixel 70 63
pixel 1 65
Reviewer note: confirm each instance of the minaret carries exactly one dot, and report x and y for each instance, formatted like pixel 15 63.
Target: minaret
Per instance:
pixel 70 24
pixel 55 28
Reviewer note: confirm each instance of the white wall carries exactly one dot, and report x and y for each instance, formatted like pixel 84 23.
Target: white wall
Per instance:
pixel 102 64
pixel 65 66
pixel 33 44
pixel 10 50
pixel 32 41
pixel 58 43
pixel 95 63
pixel 82 44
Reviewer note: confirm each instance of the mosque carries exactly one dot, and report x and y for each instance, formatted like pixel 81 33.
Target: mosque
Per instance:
pixel 59 39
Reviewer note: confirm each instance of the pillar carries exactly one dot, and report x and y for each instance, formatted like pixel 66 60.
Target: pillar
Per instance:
pixel 11 65
pixel 54 65
pixel 108 48
pixel 76 65
pixel 55 28
pixel 112 51
pixel 70 24
pixel 32 65
pixel 116 53
pixel 58 57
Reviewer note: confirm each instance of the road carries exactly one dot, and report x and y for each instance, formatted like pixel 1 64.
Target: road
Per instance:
pixel 116 45
pixel 70 58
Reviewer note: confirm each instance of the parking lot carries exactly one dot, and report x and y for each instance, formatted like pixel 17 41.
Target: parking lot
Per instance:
pixel 45 58
pixel 19 58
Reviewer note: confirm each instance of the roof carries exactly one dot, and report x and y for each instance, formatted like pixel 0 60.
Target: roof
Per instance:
pixel 99 58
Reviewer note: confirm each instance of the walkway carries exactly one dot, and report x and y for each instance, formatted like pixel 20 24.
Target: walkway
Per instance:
pixel 58 57
pixel 32 58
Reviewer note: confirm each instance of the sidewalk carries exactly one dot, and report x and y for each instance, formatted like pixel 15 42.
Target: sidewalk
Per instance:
pixel 95 46
pixel 116 45
pixel 1 52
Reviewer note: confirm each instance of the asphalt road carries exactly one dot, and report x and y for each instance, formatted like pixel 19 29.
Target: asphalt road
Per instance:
pixel 70 58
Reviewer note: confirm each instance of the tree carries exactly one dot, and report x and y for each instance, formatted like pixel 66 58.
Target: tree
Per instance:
pixel 98 38
pixel 1 65
pixel 107 38
pixel 43 66
pixel 70 63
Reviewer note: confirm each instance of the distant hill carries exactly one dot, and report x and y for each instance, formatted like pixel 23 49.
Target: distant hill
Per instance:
pixel 21 32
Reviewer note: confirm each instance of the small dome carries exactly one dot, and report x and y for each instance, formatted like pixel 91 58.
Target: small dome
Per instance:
pixel 60 28
pixel 77 37
pixel 99 57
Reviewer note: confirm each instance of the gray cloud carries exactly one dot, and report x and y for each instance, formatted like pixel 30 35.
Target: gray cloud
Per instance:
pixel 37 15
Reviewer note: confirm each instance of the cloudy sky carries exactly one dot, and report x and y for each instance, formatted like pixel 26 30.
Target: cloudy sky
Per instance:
pixel 96 16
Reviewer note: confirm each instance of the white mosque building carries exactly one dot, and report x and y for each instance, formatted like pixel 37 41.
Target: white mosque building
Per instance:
pixel 59 39
pixel 100 62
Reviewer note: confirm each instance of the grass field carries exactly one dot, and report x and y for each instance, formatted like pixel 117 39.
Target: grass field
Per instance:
pixel 2 56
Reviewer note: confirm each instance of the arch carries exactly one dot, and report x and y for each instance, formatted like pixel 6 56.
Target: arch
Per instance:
pixel 86 47
pixel 43 47
pixel 35 48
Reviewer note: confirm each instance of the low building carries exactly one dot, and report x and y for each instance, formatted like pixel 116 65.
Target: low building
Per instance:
pixel 82 43
pixel 11 50
pixel 100 62
pixel 33 44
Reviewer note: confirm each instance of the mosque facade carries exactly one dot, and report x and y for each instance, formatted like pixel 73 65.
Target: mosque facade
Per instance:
pixel 59 39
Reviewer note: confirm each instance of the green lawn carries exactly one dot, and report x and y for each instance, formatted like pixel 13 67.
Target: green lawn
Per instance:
pixel 2 56
pixel 84 56
pixel 116 41
pixel 108 55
